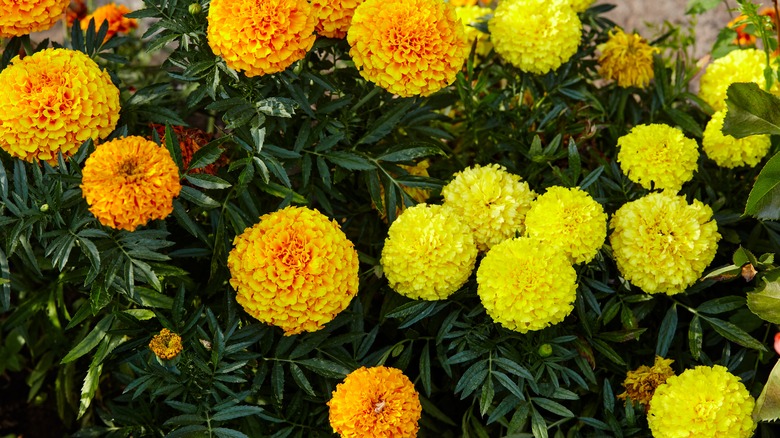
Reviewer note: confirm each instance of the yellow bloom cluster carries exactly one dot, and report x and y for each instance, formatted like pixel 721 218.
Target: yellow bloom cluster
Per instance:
pixel 526 284
pixel 408 47
pixel 492 201
pixel 737 66
pixel 641 383
pixel 703 402
pixel 626 59
pixel 658 156
pixel 536 36
pixel 52 101
pixel 166 345
pixel 20 17
pixel 472 14
pixel 260 36
pixel 429 253
pixel 129 181
pixel 115 15
pixel 334 16
pixel 295 269
pixel 570 220
pixel 460 3
pixel 727 151
pixel 663 244
pixel 377 402
pixel 580 5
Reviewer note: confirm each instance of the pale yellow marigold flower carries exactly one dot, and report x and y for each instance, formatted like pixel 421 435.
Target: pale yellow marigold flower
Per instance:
pixel 663 244
pixel 260 37
pixel 492 201
pixel 429 253
pixel 745 65
pixel 20 17
pixel 580 5
pixel 408 47
pixel 536 36
pixel 115 15
pixel 642 382
pixel 166 345
pixel 377 402
pixel 703 402
pixel 570 220
pixel 472 15
pixel 626 59
pixel 658 156
pixel 53 101
pixel 295 269
pixel 334 16
pixel 727 151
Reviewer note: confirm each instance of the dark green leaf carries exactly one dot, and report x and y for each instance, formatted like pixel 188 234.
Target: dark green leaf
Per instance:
pixel 349 161
pixel 765 300
pixel 734 333
pixel 666 332
pixel 90 341
pixel 764 199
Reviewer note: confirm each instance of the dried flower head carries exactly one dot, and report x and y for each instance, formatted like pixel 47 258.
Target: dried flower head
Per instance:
pixel 626 59
pixel 115 15
pixel 334 16
pixel 658 156
pixel 737 66
pixel 642 382
pixel 727 151
pixel 166 345
pixel 20 17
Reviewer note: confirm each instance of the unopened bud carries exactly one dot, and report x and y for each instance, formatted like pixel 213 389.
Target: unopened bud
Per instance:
pixel 545 350
pixel 194 8
pixel 44 208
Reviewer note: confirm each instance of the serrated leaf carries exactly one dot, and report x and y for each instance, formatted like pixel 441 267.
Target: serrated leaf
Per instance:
pixel 325 368
pixel 383 125
pixel 768 403
pixel 764 199
pixel 695 337
pixel 410 154
pixel 765 300
pixel 236 412
pixel 751 111
pixel 206 181
pixel 721 305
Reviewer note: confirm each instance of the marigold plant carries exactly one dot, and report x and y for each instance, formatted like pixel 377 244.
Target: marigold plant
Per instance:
pixel 731 152
pixel 166 345
pixel 115 16
pixel 20 17
pixel 641 383
pixel 658 156
pixel 334 16
pixel 745 65
pixel 627 59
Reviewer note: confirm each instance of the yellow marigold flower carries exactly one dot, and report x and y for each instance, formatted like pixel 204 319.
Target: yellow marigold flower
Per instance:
pixel 471 15
pixel 260 36
pixel 295 269
pixel 459 3
pixel 727 151
pixel 416 193
pixel 52 101
pixel 570 220
pixel 737 66
pixel 663 244
pixel 429 253
pixel 536 36
pixel 580 5
pixel 641 383
pixel 703 402
pixel 115 15
pixel 408 47
pixel 492 201
pixel 129 181
pixel 658 156
pixel 626 59
pixel 377 402
pixel 166 345
pixel 526 284
pixel 20 17
pixel 334 16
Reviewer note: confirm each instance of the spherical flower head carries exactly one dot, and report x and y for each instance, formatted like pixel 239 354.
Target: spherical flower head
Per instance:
pixel 166 345
pixel 626 59
pixel 418 194
pixel 469 15
pixel 429 253
pixel 663 244
pixel 52 102
pixel 727 151
pixel 580 5
pixel 260 37
pixel 536 36
pixel 129 181
pixel 492 201
pixel 570 220
pixel 408 47
pixel 526 284
pixel 642 382
pixel 737 66
pixel 658 156
pixel 703 402
pixel 377 402
pixel 115 15
pixel 20 17
pixel 334 16
pixel 295 269
pixel 190 141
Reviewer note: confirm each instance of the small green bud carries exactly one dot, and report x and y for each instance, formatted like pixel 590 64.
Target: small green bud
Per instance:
pixel 545 350
pixel 44 208
pixel 194 8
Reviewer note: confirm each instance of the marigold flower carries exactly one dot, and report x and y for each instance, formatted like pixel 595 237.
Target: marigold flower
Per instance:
pixel 580 5
pixel 166 345
pixel 334 16
pixel 20 17
pixel 416 193
pixel 663 244
pixel 77 9
pixel 626 59
pixel 260 37
pixel 743 38
pixel 641 383
pixel 526 284
pixel 429 253
pixel 727 151
pixel 459 3
pixel 408 47
pixel 52 102
pixel 115 15
pixel 190 141
pixel 703 402
pixel 129 181
pixel 658 156
pixel 492 201
pixel 570 220
pixel 378 402
pixel 469 15
pixel 745 65
pixel 295 269
pixel 536 36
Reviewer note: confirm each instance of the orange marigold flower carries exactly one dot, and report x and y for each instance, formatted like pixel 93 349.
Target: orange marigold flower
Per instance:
pixel 190 141
pixel 641 383
pixel 166 345
pixel 129 181
pixel 295 269
pixel 334 16
pixel 115 15
pixel 77 9
pixel 378 402
pixel 52 102
pixel 408 47
pixel 20 17
pixel 738 25
pixel 260 36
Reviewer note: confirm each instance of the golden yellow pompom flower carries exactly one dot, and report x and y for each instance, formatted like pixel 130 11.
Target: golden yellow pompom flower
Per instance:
pixel 459 3
pixel 703 402
pixel 570 220
pixel 115 15
pixel 727 151
pixel 20 17
pixel 471 15
pixel 642 382
pixel 52 101
pixel 260 37
pixel 663 244
pixel 129 181
pixel 408 47
pixel 334 16
pixel 626 59
pixel 492 201
pixel 166 345
pixel 526 284
pixel 580 5
pixel 429 253
pixel 295 269
pixel 737 66
pixel 377 402
pixel 536 36
pixel 658 156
